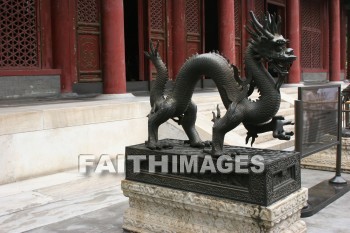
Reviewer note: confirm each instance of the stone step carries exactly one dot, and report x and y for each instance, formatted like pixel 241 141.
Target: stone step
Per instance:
pixel 289 90
pixel 211 106
pixel 287 113
pixel 200 99
pixel 276 144
pixel 285 105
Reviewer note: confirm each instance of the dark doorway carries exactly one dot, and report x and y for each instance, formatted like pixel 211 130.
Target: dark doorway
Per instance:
pixel 211 26
pixel 211 40
pixel 131 40
pixel 279 10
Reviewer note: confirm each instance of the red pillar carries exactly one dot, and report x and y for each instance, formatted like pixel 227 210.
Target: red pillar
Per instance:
pixel 348 45
pixel 227 39
pixel 343 39
pixel 293 34
pixel 248 5
pixel 179 34
pixel 113 47
pixel 335 40
pixel 63 41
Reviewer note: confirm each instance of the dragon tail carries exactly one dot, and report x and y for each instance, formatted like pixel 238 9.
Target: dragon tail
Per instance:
pixel 158 86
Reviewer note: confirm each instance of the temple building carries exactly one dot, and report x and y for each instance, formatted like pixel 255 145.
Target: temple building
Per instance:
pixel 51 47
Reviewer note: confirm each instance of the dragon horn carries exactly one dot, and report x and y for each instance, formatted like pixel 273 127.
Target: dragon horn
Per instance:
pixel 257 32
pixel 275 23
pixel 259 27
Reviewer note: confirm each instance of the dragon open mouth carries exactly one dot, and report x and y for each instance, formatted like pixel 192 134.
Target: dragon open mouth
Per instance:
pixel 281 67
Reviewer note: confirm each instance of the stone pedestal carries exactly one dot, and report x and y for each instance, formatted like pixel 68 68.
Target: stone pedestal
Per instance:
pixel 158 209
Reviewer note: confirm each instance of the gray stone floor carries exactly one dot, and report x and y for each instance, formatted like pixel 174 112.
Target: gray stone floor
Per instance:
pixel 70 202
pixel 335 218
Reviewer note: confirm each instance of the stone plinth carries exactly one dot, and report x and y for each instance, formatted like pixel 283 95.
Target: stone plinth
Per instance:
pixel 326 159
pixel 158 209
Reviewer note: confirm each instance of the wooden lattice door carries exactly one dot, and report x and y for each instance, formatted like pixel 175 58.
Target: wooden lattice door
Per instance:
pixel 193 27
pixel 19 35
pixel 238 36
pixel 89 40
pixel 311 35
pixel 158 29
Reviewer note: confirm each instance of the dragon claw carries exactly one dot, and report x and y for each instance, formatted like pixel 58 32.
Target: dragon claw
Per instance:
pixel 199 144
pixel 279 131
pixel 153 53
pixel 251 135
pixel 207 151
pixel 157 146
pixel 211 152
pixel 152 146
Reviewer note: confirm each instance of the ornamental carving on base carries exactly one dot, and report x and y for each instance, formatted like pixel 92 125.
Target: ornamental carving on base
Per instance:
pixel 158 209
pixel 205 204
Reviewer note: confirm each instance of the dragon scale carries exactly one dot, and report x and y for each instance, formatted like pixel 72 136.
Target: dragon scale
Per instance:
pixel 212 65
pixel 269 100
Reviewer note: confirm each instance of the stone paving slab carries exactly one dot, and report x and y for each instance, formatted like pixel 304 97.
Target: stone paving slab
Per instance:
pixel 57 199
pixel 71 202
pixel 106 220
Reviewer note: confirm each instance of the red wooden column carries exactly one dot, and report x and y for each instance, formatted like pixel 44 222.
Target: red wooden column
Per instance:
pixel 113 47
pixel 178 34
pixel 293 34
pixel 343 40
pixel 348 46
pixel 334 59
pixel 248 5
pixel 227 39
pixel 63 41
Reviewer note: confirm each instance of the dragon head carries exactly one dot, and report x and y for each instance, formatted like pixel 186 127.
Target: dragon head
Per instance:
pixel 268 43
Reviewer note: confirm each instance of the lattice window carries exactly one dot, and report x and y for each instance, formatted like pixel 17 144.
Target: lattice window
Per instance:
pixel 192 16
pixel 157 14
pixel 18 34
pixel 311 37
pixel 238 17
pixel 259 8
pixel 238 34
pixel 88 11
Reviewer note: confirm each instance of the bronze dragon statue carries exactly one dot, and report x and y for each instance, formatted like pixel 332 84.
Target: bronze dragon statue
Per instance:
pixel 266 45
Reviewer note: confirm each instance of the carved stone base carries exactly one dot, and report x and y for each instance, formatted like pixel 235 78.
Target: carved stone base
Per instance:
pixel 326 159
pixel 157 209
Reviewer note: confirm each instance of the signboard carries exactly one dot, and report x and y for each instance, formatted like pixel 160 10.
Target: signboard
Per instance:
pixel 318 118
